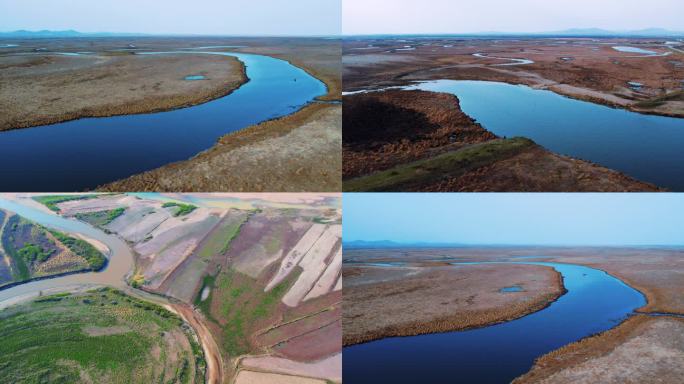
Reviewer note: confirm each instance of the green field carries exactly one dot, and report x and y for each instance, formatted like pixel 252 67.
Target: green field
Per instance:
pixel 218 242
pixel 52 200
pixel 239 303
pixel 183 209
pixel 101 218
pixel 96 260
pixel 102 336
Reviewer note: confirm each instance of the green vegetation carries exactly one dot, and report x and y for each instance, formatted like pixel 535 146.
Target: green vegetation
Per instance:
pixel 104 335
pixel 101 218
pixel 52 200
pixel 661 100
pixel 20 272
pixel 183 209
pixel 32 253
pixel 240 302
pixel 96 260
pixel 450 164
pixel 207 282
pixel 218 242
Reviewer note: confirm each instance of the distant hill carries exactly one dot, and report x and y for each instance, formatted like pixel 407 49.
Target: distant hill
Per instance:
pixel 392 244
pixel 597 32
pixel 573 32
pixel 24 34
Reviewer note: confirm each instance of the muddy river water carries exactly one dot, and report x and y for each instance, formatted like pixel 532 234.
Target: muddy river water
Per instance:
pixel 594 302
pixel 119 264
pixel 85 153
pixel 646 147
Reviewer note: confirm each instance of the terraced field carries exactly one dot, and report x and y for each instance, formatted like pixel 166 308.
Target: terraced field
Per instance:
pixel 264 281
pixel 99 336
pixel 30 251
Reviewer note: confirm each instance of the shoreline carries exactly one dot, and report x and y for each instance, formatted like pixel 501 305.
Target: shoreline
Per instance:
pixel 134 107
pixel 399 82
pixel 268 129
pixel 588 348
pixel 453 323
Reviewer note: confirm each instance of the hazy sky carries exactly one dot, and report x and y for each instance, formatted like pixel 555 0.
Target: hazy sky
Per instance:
pixel 471 16
pixel 508 218
pixel 227 17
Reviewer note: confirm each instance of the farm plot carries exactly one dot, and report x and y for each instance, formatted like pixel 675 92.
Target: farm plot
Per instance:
pixel 31 251
pixel 100 336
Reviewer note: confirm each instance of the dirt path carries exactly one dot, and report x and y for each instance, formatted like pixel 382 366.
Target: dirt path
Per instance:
pixel 211 350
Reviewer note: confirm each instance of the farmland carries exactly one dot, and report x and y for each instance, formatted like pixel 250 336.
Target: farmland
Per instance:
pixel 102 336
pixel 31 251
pixel 261 282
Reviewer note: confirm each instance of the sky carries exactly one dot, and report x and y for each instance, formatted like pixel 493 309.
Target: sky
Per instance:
pixel 224 17
pixel 516 219
pixel 473 16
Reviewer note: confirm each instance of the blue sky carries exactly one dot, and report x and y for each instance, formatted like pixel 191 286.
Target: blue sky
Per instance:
pixel 226 17
pixel 509 218
pixel 472 16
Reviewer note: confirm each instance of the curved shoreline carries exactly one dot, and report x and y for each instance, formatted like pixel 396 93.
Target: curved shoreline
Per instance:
pixel 214 374
pixel 628 105
pixel 455 323
pixel 221 91
pixel 580 314
pixel 535 307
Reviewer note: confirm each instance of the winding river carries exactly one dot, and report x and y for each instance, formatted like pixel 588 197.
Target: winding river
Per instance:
pixel 646 147
pixel 595 302
pixel 119 265
pixel 85 153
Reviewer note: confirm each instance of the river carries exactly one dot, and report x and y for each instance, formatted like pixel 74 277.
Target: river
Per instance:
pixel 82 154
pixel 595 302
pixel 646 147
pixel 114 274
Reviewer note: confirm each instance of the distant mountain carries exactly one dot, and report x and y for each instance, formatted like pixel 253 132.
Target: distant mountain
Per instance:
pixel 597 32
pixel 393 244
pixel 573 32
pixel 24 34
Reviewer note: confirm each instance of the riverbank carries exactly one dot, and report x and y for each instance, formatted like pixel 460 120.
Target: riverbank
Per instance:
pixel 386 301
pixel 422 141
pixel 639 350
pixel 642 349
pixel 40 90
pixel 586 69
pixel 302 150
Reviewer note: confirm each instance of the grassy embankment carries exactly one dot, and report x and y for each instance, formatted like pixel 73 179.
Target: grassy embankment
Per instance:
pixel 236 303
pixel 36 251
pixel 661 100
pixel 51 201
pixel 100 218
pixel 183 209
pixel 452 164
pixel 101 336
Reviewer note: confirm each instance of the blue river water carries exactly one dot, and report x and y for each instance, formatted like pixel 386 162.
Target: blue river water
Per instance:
pixel 646 147
pixel 594 302
pixel 85 153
